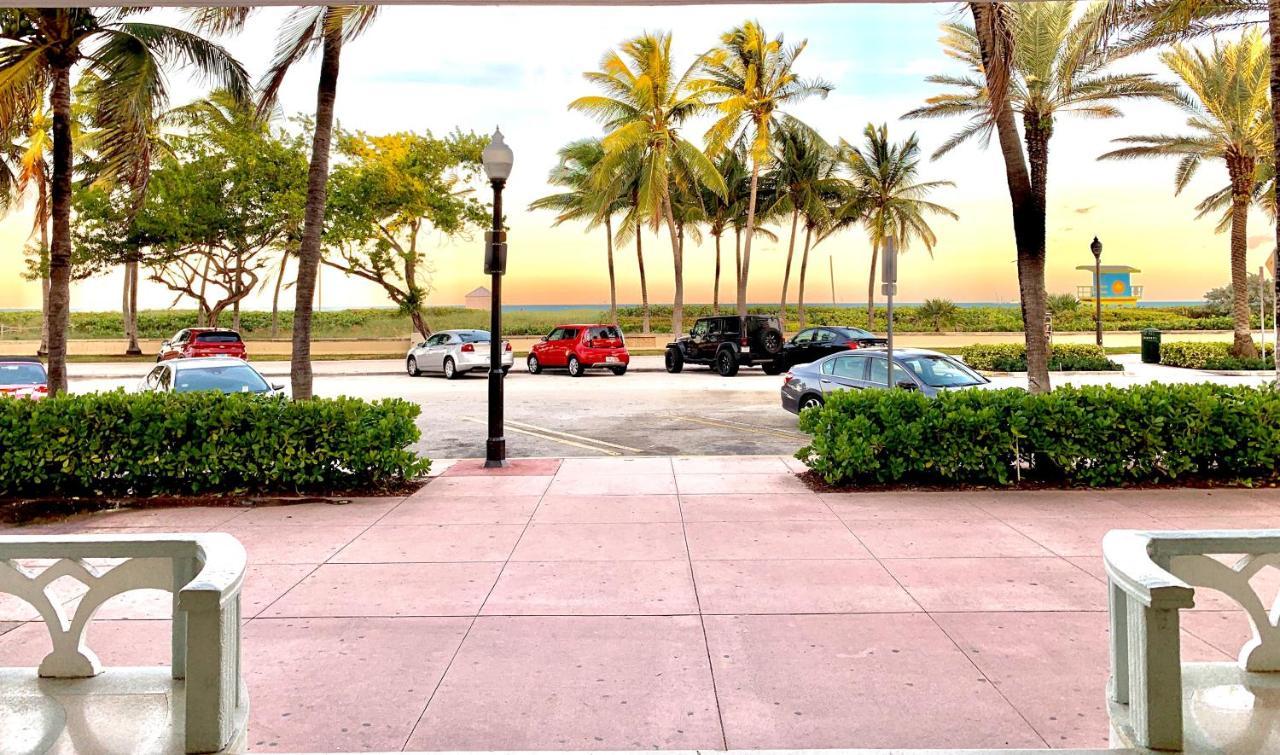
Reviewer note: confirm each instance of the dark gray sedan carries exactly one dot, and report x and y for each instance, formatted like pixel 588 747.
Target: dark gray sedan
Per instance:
pixel 921 370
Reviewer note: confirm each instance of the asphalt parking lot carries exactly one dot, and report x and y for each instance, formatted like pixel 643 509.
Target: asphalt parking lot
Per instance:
pixel 645 412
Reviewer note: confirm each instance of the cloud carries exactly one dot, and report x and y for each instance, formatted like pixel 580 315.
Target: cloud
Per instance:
pixel 1257 241
pixel 1084 210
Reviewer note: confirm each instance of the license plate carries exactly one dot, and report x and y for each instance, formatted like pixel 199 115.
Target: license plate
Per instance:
pixel 611 360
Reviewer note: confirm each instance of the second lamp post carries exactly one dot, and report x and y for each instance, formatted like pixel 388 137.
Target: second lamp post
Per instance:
pixel 497 159
pixel 1096 248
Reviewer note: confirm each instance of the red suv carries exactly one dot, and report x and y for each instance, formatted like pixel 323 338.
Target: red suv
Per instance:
pixel 203 342
pixel 577 347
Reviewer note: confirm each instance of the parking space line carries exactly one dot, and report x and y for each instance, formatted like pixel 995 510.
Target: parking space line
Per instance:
pixel 547 436
pixel 575 437
pixel 726 424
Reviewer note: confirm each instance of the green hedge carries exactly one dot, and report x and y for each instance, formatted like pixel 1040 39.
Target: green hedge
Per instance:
pixel 1012 357
pixel 1093 436
pixel 141 444
pixel 1211 355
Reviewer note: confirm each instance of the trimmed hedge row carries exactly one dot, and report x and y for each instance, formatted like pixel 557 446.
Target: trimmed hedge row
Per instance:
pixel 1012 357
pixel 1211 355
pixel 1091 436
pixel 142 444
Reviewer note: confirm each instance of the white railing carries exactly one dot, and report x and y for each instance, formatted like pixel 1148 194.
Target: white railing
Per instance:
pixel 1150 577
pixel 204 572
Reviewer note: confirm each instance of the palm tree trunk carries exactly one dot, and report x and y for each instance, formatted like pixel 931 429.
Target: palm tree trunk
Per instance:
pixel 645 326
pixel 745 269
pixel 313 218
pixel 786 272
pixel 804 269
pixel 737 256
pixel 60 252
pixel 1028 224
pixel 677 257
pixel 613 283
pixel 715 290
pixel 131 323
pixel 1241 170
pixel 275 299
pixel 1273 26
pixel 43 199
pixel 1037 134
pixel 871 285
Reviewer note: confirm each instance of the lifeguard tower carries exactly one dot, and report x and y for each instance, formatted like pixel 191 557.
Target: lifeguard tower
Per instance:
pixel 1117 289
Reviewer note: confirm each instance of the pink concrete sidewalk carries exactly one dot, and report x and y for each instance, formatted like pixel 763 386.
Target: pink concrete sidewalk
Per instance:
pixel 683 603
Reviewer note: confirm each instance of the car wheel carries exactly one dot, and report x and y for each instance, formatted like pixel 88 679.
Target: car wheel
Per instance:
pixel 412 367
pixel 575 367
pixel 726 363
pixel 674 360
pixel 772 368
pixel 771 340
pixel 533 364
pixel 810 401
pixel 450 369
pixel 619 370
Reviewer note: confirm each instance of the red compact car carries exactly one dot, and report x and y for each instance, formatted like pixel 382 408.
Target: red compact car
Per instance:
pixel 23 377
pixel 577 347
pixel 203 342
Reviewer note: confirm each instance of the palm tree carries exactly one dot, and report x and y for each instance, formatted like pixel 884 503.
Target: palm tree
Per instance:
pixel 127 58
pixel 892 200
pixel 750 79
pixel 1229 121
pixel 24 166
pixel 582 201
pixel 723 211
pixel 803 166
pixel 642 108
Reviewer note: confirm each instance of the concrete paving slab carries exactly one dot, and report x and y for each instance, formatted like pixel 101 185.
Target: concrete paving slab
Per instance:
pixel 614 509
pixel 772 540
pixel 799 586
pixel 497 509
pixel 593 588
pixel 632 541
pixel 392 543
pixel 764 507
pixel 997 584
pixel 352 590
pixel 889 538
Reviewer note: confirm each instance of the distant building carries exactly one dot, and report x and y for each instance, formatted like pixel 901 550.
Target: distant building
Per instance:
pixel 1117 290
pixel 477 299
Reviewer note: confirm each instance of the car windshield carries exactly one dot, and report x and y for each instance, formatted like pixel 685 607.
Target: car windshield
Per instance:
pixel 231 378
pixel 942 372
pixel 21 373
pixel 474 336
pixel 219 337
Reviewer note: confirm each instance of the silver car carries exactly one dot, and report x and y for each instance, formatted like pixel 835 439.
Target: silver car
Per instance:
pixel 453 353
pixel 221 374
pixel 929 372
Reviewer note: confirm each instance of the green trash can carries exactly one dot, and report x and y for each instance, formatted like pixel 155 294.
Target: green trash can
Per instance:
pixel 1150 346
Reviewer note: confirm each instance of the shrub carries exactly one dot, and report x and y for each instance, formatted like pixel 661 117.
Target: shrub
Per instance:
pixel 1062 305
pixel 1012 357
pixel 1211 355
pixel 140 444
pixel 1092 435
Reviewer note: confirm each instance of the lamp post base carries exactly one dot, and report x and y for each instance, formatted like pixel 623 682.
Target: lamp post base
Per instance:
pixel 495 453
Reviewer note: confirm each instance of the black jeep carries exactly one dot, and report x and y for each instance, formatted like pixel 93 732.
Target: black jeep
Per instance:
pixel 729 342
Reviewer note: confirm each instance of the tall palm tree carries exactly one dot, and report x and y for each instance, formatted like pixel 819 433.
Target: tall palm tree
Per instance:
pixel 305 31
pixel 802 167
pixel 750 79
pixel 643 105
pixel 582 201
pixel 723 211
pixel 128 59
pixel 24 167
pixel 890 196
pixel 1229 120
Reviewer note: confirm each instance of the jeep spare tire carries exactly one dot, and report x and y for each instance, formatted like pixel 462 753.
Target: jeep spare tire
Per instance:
pixel 771 341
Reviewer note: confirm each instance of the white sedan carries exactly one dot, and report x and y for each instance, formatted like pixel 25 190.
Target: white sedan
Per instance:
pixel 454 353
pixel 222 374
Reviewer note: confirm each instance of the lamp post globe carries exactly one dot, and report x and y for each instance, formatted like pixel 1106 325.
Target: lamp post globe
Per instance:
pixel 497 159
pixel 1096 248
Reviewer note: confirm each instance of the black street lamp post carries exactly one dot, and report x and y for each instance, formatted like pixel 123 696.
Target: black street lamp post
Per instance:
pixel 497 159
pixel 1096 248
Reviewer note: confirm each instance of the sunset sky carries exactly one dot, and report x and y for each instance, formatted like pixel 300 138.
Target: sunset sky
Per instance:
pixel 438 68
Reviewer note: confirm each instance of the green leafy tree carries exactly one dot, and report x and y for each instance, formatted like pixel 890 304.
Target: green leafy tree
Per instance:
pixel 643 105
pixel 750 79
pixel 1229 120
pixel 127 58
pixel 891 197
pixel 385 193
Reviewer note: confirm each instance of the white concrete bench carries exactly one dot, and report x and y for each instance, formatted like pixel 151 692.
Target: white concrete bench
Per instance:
pixel 1150 577
pixel 204 572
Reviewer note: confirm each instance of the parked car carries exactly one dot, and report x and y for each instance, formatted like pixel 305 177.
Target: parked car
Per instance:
pixel 221 374
pixel 929 372
pixel 727 343
pixel 577 347
pixel 812 344
pixel 203 342
pixel 454 353
pixel 23 377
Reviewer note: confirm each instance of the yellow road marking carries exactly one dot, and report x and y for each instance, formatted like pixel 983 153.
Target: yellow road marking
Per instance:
pixel 575 437
pixel 743 427
pixel 606 451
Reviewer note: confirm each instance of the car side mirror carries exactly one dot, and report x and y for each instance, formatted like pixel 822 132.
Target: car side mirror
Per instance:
pixel 907 385
pixel 544 338
pixel 164 344
pixel 277 386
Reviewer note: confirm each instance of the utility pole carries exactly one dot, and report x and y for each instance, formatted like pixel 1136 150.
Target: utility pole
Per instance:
pixel 831 266
pixel 889 287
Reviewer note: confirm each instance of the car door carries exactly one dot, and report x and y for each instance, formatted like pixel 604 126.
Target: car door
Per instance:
pixel 878 375
pixel 800 349
pixel 173 347
pixel 541 348
pixel 164 380
pixel 433 355
pixel 844 373
pixel 697 334
pixel 564 346
pixel 826 342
